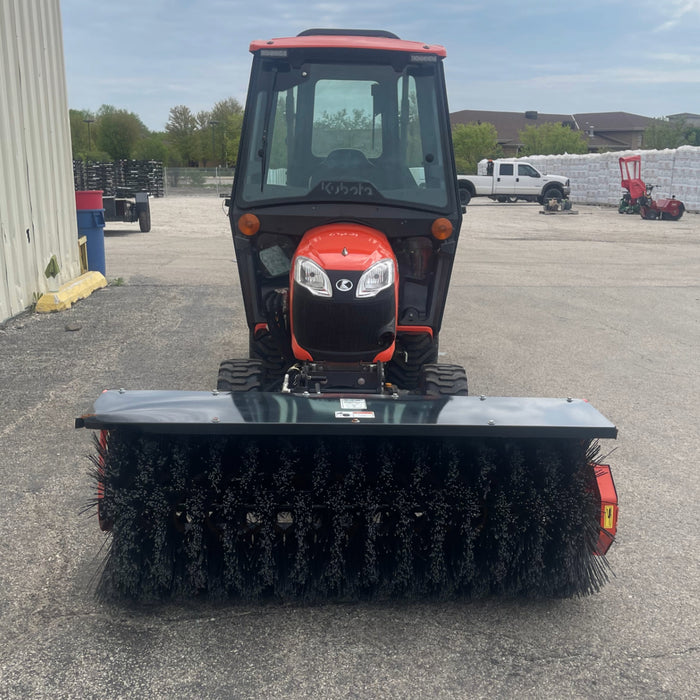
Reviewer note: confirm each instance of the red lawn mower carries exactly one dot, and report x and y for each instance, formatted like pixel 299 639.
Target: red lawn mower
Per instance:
pixel 637 199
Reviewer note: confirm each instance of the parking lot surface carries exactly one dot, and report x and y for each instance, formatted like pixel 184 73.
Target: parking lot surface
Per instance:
pixel 593 305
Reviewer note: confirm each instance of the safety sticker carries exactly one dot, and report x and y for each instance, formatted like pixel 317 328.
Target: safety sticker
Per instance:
pixel 608 517
pixel 353 404
pixel 354 414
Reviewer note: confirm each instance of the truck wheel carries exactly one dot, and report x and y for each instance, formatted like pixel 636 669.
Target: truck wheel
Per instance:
pixel 465 196
pixel 553 193
pixel 145 221
pixel 240 375
pixel 443 380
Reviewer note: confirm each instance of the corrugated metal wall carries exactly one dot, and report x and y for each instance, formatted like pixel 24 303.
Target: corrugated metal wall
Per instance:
pixel 37 202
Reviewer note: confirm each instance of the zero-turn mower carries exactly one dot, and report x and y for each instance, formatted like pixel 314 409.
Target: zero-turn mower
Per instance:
pixel 637 196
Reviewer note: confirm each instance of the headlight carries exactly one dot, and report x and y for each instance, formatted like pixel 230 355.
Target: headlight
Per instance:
pixel 312 277
pixel 376 278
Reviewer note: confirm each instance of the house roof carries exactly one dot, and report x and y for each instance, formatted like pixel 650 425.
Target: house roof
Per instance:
pixel 612 121
pixel 508 124
pixel 603 124
pixel 685 117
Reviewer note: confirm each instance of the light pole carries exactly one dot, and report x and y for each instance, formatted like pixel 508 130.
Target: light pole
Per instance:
pixel 89 121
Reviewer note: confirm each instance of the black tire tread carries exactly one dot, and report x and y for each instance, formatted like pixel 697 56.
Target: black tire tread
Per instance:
pixel 413 350
pixel 444 380
pixel 240 375
pixel 145 221
pixel 264 347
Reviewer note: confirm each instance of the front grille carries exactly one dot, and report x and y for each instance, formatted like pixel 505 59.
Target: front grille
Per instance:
pixel 352 330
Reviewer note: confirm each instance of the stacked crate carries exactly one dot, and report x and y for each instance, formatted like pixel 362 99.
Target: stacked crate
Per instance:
pixel 120 178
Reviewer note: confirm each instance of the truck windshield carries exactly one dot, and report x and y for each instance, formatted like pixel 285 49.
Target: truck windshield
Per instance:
pixel 333 131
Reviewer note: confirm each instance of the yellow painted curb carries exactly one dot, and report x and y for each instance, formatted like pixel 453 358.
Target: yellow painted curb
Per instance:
pixel 69 293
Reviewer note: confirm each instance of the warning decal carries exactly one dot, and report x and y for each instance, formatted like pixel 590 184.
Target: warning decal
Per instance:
pixel 354 414
pixel 608 517
pixel 353 404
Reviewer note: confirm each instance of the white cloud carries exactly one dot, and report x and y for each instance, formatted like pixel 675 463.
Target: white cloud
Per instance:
pixel 678 10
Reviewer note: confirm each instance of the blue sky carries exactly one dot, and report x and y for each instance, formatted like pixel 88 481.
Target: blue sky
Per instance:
pixel 147 56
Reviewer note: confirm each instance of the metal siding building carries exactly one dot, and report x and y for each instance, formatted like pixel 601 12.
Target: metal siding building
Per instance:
pixel 37 201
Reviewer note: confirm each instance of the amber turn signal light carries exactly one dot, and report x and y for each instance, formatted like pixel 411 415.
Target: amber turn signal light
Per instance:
pixel 441 229
pixel 249 224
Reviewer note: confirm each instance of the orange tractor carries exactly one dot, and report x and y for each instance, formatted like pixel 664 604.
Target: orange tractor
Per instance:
pixel 637 198
pixel 340 458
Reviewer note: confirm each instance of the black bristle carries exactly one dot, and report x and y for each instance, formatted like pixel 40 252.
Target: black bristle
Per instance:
pixel 347 518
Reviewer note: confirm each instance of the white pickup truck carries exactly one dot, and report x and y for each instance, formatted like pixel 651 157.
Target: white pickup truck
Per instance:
pixel 508 180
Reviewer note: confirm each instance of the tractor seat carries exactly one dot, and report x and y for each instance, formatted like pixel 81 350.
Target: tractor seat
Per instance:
pixel 344 164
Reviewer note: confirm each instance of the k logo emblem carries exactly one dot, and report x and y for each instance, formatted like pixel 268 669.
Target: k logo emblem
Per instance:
pixel 343 285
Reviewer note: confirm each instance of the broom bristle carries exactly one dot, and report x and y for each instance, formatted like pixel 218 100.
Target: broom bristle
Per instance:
pixel 348 518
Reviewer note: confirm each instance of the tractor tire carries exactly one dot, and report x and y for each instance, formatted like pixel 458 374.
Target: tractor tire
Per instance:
pixel 413 350
pixel 240 375
pixel 443 380
pixel 263 347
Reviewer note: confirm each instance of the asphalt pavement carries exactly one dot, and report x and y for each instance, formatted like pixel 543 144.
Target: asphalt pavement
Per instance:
pixel 594 305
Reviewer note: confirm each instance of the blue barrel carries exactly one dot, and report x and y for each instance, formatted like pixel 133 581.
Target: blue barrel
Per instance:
pixel 91 224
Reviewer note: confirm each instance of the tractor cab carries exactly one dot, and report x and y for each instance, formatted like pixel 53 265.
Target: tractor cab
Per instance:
pixel 345 210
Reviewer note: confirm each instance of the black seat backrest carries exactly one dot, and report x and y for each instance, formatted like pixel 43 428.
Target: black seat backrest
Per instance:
pixel 344 164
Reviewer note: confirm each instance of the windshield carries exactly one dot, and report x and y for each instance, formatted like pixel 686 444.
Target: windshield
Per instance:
pixel 323 131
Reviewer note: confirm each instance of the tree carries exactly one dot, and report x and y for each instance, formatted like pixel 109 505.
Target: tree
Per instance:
pixel 223 109
pixel 206 137
pixel 472 143
pixel 665 134
pixel 551 138
pixel 341 129
pixel 79 131
pixel 153 147
pixel 209 137
pixel 182 136
pixel 692 136
pixel 233 126
pixel 118 132
pixel 83 133
pixel 226 122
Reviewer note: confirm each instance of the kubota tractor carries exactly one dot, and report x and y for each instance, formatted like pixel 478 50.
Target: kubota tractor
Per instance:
pixel 637 198
pixel 340 459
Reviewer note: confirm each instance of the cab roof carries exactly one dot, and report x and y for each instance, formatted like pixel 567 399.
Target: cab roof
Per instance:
pixel 348 39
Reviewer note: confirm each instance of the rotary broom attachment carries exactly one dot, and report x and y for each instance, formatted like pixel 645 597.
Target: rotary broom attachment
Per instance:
pixel 347 517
